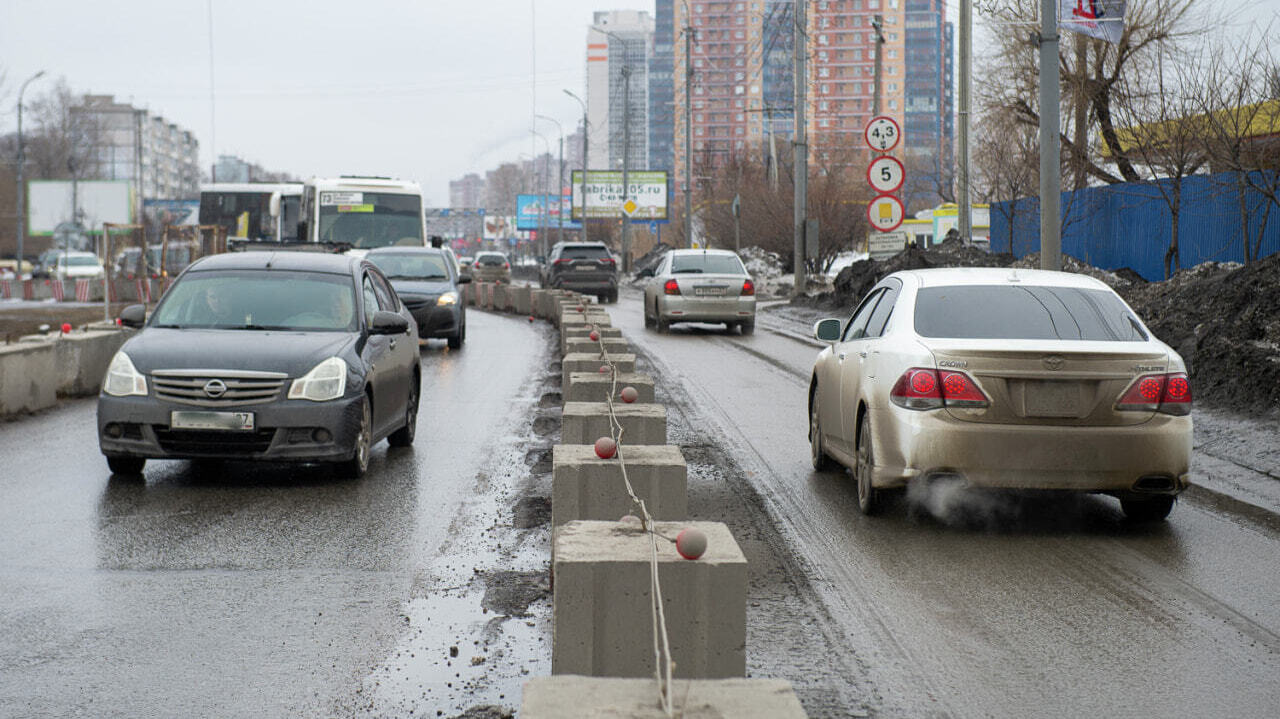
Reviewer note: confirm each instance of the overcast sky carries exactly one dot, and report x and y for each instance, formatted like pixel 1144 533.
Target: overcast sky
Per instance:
pixel 426 90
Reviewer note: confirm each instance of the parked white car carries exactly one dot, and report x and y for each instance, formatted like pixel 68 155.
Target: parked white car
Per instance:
pixel 77 265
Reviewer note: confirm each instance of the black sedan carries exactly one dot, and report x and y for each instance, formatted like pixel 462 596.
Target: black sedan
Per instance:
pixel 285 356
pixel 427 280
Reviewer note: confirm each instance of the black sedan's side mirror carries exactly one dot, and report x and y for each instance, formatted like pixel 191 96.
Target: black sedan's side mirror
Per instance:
pixel 388 323
pixel 133 316
pixel 646 272
pixel 464 278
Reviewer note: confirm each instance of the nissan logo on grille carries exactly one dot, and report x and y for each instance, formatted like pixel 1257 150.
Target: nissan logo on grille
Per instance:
pixel 215 388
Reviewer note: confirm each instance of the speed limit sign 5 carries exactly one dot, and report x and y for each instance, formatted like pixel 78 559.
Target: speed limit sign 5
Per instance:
pixel 882 133
pixel 885 173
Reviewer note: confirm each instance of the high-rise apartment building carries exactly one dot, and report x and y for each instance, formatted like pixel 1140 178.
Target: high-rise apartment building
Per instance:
pixel 132 144
pixel 467 191
pixel 618 52
pixel 662 89
pixel 742 91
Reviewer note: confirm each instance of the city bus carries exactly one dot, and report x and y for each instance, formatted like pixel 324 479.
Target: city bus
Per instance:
pixel 257 212
pixel 356 214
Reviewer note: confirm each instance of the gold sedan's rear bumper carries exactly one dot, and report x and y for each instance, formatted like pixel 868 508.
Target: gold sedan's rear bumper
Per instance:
pixel 1153 457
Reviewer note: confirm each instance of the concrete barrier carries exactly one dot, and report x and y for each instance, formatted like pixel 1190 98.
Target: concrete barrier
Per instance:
pixel 601 603
pixel 570 695
pixel 572 332
pixel 521 300
pixel 585 422
pixel 583 486
pixel 614 345
pixel 590 362
pixel 594 386
pixel 28 377
pixel 82 359
pixel 501 296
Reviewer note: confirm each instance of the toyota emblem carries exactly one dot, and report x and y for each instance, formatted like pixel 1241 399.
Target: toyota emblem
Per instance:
pixel 1054 362
pixel 215 388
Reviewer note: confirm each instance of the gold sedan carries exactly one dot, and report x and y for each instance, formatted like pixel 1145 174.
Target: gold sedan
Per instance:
pixel 1020 379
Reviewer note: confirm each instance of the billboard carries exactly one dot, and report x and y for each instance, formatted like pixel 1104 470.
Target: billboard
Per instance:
pixel 499 227
pixel 529 212
pixel 97 201
pixel 647 189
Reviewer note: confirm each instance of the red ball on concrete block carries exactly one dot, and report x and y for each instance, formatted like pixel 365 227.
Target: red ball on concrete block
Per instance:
pixel 604 368
pixel 595 336
pixel 530 318
pixel 629 394
pixel 691 543
pixel 606 448
pixel 66 328
pixel 580 308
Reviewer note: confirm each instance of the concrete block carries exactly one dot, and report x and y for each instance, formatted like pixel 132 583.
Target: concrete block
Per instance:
pixel 82 359
pixel 585 422
pixel 28 377
pixel 602 623
pixel 569 695
pixel 572 332
pixel 593 387
pixel 469 293
pixel 614 345
pixel 521 300
pixel 501 297
pixel 583 486
pixel 590 362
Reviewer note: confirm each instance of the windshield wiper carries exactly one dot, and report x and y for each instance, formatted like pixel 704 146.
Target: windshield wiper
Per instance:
pixel 167 327
pixel 416 277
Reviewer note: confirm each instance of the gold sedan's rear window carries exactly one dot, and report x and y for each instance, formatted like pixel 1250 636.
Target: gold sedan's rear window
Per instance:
pixel 1015 312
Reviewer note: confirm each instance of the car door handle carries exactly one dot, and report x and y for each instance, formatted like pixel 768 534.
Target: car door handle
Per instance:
pixel 863 354
pixel 393 346
pixel 843 355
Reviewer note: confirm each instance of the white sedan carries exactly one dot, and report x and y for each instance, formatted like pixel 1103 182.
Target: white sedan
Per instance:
pixel 1020 379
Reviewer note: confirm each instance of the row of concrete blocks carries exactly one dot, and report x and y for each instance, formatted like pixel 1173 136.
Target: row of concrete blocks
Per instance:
pixel 89 290
pixel 37 370
pixel 602 662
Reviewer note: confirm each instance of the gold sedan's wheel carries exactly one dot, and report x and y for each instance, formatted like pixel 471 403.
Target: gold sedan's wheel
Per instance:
pixel 817 455
pixel 869 499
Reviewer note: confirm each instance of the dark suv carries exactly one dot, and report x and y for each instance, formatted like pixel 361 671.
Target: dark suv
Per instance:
pixel 587 267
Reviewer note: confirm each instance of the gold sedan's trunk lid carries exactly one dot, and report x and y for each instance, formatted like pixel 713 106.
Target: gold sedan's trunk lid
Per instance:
pixel 1060 383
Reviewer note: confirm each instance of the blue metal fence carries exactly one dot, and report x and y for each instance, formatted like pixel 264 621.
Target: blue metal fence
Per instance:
pixel 1129 224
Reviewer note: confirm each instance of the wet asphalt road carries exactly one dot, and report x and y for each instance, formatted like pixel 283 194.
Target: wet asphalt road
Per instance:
pixel 958 604
pixel 239 590
pixel 266 591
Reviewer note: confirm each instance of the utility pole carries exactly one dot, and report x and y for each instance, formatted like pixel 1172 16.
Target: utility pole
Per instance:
pixel 585 164
pixel 688 134
pixel 626 163
pixel 962 144
pixel 800 142
pixel 22 162
pixel 559 187
pixel 877 24
pixel 1050 143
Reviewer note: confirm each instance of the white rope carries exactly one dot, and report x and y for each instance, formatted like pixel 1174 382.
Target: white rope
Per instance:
pixel 663 664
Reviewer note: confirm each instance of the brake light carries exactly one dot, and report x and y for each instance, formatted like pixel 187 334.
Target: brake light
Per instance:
pixel 748 288
pixel 562 259
pixel 608 261
pixel 671 287
pixel 921 388
pixel 506 265
pixel 1168 393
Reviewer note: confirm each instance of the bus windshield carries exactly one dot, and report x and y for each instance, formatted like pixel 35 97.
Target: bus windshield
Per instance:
pixel 370 219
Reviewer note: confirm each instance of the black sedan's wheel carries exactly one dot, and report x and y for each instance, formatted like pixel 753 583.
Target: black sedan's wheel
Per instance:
pixel 869 498
pixel 359 462
pixel 455 342
pixel 1147 510
pixel 403 437
pixel 126 466
pixel 817 454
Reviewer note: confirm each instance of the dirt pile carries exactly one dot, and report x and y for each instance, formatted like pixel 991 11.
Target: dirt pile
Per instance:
pixel 1223 318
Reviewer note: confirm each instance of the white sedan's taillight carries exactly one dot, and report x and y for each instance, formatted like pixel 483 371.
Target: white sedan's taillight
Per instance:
pixel 922 388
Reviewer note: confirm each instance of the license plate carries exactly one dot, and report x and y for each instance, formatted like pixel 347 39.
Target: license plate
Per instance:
pixel 225 421
pixel 583 267
pixel 1052 399
pixel 717 291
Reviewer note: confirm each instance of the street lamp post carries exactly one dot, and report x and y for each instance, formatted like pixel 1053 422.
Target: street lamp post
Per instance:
pixel 559 186
pixel 585 164
pixel 542 187
pixel 22 161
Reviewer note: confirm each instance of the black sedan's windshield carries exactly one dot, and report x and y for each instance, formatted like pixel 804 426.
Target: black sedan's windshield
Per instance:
pixel 259 300
pixel 416 266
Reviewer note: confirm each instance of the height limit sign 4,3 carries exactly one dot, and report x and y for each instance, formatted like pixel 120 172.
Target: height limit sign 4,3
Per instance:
pixel 885 174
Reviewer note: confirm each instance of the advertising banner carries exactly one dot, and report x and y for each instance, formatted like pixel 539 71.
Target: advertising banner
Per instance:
pixel 648 192
pixel 96 201
pixel 1103 19
pixel 529 211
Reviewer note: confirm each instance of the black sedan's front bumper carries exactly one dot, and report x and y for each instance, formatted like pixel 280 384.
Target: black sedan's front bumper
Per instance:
pixel 284 430
pixel 434 320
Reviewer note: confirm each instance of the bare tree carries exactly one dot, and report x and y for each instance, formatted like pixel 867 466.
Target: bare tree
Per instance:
pixel 65 143
pixel 1242 117
pixel 1007 166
